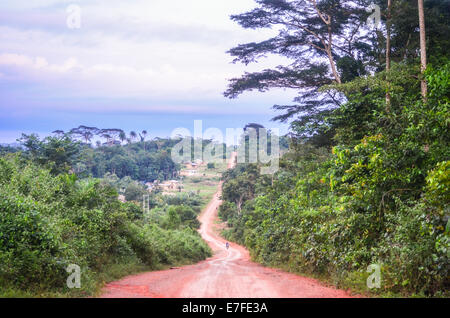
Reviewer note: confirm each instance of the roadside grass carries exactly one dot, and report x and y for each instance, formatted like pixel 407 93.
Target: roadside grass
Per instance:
pixel 92 283
pixel 91 287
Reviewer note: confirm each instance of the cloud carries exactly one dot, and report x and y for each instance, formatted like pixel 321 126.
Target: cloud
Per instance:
pixel 109 80
pixel 140 56
pixel 200 21
pixel 37 63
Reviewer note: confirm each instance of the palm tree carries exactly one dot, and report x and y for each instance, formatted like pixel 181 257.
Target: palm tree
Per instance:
pixel 423 48
pixel 144 134
pixel 88 136
pixel 108 138
pixel 133 135
pixel 122 136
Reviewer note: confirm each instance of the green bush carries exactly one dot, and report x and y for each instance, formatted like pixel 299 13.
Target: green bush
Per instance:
pixel 49 222
pixel 381 196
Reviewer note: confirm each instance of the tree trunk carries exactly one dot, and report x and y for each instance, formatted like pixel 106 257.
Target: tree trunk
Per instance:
pixel 388 53
pixel 330 54
pixel 328 47
pixel 333 66
pixel 239 204
pixel 423 48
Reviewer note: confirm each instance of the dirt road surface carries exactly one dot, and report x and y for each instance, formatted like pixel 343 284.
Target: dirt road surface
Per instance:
pixel 228 274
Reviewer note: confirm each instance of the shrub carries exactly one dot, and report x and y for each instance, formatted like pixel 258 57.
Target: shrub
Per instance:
pixel 49 222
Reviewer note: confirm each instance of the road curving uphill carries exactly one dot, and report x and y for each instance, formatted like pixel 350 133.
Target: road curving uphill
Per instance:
pixel 228 274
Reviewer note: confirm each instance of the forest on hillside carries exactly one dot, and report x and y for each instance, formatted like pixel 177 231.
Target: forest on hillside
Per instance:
pixel 367 177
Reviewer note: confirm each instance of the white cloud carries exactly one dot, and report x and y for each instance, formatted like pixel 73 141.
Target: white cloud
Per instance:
pixel 16 59
pixel 27 64
pixel 147 50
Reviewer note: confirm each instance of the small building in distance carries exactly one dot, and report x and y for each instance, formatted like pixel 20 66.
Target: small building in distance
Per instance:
pixel 170 185
pixel 188 172
pixel 149 186
pixel 191 165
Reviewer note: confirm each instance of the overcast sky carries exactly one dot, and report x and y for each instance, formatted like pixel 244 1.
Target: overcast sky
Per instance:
pixel 135 64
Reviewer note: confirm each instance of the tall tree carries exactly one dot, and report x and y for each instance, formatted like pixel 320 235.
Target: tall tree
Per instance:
pixel 122 136
pixel 111 134
pixel 59 153
pixel 423 47
pixel 107 137
pixel 388 50
pixel 85 132
pixel 306 37
pixel 133 135
pixel 324 41
pixel 143 135
pixel 405 29
pixel 58 132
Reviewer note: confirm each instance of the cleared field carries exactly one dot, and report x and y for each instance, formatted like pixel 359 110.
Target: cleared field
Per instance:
pixel 203 182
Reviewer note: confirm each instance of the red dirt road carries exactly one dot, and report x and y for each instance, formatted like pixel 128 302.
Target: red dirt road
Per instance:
pixel 228 274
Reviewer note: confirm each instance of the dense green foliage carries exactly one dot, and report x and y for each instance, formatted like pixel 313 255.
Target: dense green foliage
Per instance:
pixel 143 161
pixel 180 210
pixel 131 189
pixel 381 196
pixel 7 149
pixel 50 221
pixel 328 41
pixel 59 205
pixel 366 180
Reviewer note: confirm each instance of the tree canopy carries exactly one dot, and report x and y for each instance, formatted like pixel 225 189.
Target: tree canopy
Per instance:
pixel 329 41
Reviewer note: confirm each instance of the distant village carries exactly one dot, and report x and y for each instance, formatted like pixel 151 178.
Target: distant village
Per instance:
pixel 171 187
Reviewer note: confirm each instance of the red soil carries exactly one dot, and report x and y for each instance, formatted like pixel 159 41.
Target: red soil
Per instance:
pixel 228 274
